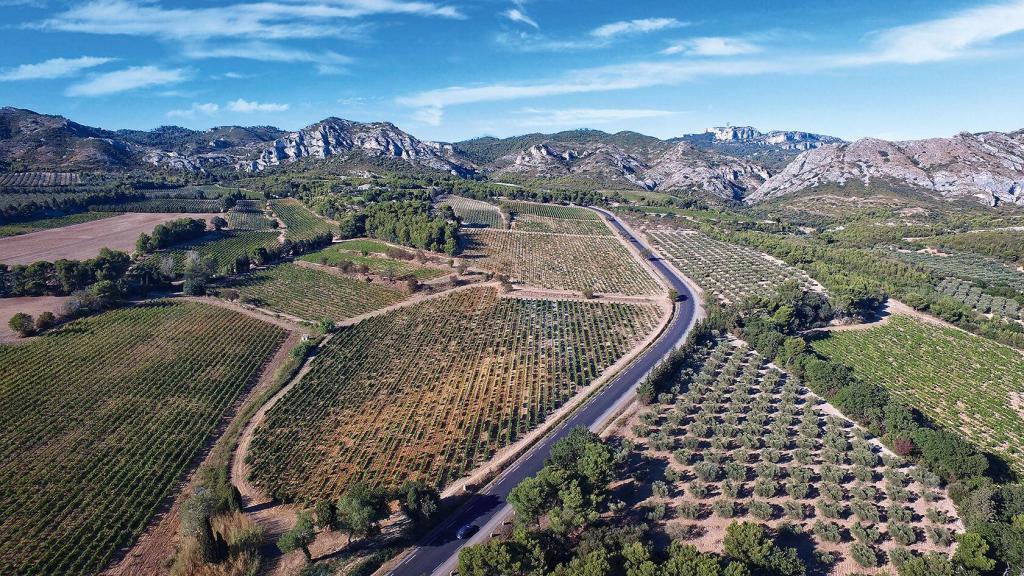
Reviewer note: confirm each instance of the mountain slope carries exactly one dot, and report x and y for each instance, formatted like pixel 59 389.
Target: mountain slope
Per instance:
pixel 334 137
pixel 41 142
pixel 988 167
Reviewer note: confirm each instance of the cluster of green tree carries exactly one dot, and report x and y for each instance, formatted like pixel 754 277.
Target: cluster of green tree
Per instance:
pixel 61 203
pixel 583 535
pixel 169 233
pixel 62 277
pixel 993 512
pixel 359 512
pixel 410 223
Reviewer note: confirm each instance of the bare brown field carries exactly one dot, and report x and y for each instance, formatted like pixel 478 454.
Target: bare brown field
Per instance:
pixel 84 241
pixel 33 305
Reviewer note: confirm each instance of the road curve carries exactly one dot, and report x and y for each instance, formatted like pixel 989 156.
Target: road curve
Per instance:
pixel 438 552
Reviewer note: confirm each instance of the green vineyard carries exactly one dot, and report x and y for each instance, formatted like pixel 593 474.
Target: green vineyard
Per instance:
pixel 959 380
pixel 300 223
pixel 431 390
pixel 102 417
pixel 550 210
pixel 223 246
pixel 312 294
pixel 976 299
pixel 389 267
pixel 532 223
pixel 474 213
pixel 15 228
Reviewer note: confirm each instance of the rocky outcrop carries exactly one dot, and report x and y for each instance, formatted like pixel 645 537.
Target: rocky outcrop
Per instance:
pixel 988 167
pixel 687 167
pixel 670 167
pixel 334 136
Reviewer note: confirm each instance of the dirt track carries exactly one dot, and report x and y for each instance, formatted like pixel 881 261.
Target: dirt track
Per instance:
pixel 84 241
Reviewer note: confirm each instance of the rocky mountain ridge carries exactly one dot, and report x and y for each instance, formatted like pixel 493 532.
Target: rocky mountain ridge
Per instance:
pixel 733 162
pixel 988 167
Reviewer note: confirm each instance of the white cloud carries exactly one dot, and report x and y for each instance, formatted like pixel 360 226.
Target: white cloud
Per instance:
pixel 600 37
pixel 957 36
pixel 327 61
pixel 258 20
pixel 712 46
pixel 947 38
pixel 52 68
pixel 634 27
pixel 586 116
pixel 430 115
pixel 246 107
pixel 128 79
pixel 208 108
pixel 517 15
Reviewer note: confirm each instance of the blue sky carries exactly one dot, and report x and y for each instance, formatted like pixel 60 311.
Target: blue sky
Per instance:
pixel 454 69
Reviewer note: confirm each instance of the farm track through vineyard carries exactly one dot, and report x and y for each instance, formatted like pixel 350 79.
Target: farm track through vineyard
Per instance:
pixel 89 454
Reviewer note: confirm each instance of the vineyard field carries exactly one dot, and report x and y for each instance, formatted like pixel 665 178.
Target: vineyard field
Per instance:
pixel 965 266
pixel 16 228
pixel 336 256
pixel 312 294
pixel 729 271
pixel 972 296
pixel 194 205
pixel 102 417
pixel 363 244
pixel 474 213
pixel 224 246
pixel 743 441
pixel 299 221
pixel 431 390
pixel 532 223
pixel 960 381
pixel 39 179
pixel 601 264
pixel 550 210
pixel 248 220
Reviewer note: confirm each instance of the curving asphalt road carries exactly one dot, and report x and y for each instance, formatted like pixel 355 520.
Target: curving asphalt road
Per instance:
pixel 439 551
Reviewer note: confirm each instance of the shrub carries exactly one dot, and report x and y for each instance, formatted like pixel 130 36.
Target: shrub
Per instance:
pixel 45 321
pixel 690 510
pixel 22 324
pixel 828 531
pixel 864 555
pixel 902 534
pixel 725 508
pixel 761 509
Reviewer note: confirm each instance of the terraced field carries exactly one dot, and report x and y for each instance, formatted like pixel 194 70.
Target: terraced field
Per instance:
pixel 600 264
pixel 92 443
pixel 432 390
pixel 743 441
pixel 729 271
pixel 312 294
pixel 474 213
pixel 960 381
